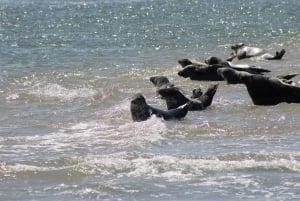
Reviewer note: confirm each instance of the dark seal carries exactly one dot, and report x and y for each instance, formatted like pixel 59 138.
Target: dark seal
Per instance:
pixel 242 51
pixel 209 73
pixel 141 111
pixel 185 62
pixel 263 90
pixel 161 81
pixel 175 98
pixel 216 60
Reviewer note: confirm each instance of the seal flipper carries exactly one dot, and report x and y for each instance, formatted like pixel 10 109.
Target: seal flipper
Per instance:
pixel 176 113
pixel 179 112
pixel 278 55
pixel 287 77
pixel 208 96
pixel 251 69
pixel 231 57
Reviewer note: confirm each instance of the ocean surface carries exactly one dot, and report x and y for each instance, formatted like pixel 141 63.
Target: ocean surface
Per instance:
pixel 69 68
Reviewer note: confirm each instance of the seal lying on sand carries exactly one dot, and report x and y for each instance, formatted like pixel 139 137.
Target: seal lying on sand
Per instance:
pixel 185 62
pixel 216 60
pixel 262 89
pixel 175 98
pixel 209 61
pixel 209 73
pixel 141 111
pixel 242 51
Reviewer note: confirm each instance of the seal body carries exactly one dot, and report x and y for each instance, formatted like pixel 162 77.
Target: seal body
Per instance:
pixel 141 111
pixel 209 73
pixel 215 60
pixel 262 89
pixel 242 52
pixel 175 98
pixel 185 62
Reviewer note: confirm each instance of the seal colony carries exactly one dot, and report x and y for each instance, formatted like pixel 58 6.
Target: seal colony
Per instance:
pixel 262 88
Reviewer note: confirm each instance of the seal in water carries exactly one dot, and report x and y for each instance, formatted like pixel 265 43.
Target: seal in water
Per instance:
pixel 209 73
pixel 262 89
pixel 141 111
pixel 161 82
pixel 242 51
pixel 175 98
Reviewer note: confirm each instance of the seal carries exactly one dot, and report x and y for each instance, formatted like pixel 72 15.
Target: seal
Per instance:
pixel 216 60
pixel 213 60
pixel 241 67
pixel 175 98
pixel 141 111
pixel 242 51
pixel 161 81
pixel 263 90
pixel 209 61
pixel 185 62
pixel 209 73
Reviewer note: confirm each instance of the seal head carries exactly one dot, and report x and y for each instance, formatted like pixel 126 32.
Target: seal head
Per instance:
pixel 139 109
pixel 160 81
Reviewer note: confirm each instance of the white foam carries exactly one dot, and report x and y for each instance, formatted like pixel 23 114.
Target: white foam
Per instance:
pixel 13 97
pixel 172 168
pixel 177 168
pixel 57 91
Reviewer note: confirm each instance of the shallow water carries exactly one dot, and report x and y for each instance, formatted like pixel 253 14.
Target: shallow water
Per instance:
pixel 68 71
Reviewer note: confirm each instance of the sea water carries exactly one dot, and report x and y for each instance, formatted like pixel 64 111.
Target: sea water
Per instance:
pixel 68 69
